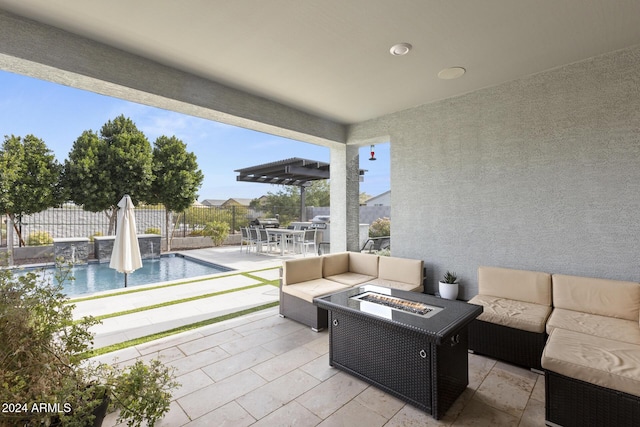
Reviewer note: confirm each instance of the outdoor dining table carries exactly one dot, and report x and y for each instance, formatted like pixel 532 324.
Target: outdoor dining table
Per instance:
pixel 281 235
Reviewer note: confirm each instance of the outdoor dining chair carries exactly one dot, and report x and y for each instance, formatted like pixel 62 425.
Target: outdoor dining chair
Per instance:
pixel 263 239
pixel 245 239
pixel 253 237
pixel 306 239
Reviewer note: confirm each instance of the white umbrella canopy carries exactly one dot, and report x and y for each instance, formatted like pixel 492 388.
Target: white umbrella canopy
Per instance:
pixel 125 257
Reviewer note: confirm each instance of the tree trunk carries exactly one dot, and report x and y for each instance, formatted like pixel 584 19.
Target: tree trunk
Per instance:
pixel 112 219
pixel 21 242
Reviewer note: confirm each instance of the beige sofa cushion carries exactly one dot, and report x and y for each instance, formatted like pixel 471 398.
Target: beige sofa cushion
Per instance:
pixel 313 288
pixel 333 264
pixel 401 270
pixel 613 298
pixel 301 270
pixel 396 285
pixel 521 285
pixel 351 279
pixel 594 324
pixel 365 264
pixel 512 313
pixel 596 360
pixel 350 268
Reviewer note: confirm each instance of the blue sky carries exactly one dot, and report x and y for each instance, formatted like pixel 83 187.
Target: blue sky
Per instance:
pixel 58 114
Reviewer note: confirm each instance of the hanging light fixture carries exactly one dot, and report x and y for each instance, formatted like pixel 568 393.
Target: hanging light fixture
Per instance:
pixel 373 154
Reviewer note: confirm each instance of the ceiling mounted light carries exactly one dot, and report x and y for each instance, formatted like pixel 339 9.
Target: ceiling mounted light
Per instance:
pixel 400 49
pixel 451 73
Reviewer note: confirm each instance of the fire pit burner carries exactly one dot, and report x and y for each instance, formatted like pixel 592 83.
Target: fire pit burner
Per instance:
pixel 413 307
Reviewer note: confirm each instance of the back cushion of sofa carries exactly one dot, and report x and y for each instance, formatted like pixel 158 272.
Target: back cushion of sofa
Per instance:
pixel 520 285
pixel 334 264
pixel 401 270
pixel 613 298
pixel 301 270
pixel 366 264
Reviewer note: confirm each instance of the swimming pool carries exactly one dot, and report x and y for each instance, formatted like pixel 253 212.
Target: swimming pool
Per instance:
pixel 97 277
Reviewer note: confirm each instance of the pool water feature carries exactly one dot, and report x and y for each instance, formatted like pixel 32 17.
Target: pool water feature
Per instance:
pixel 98 277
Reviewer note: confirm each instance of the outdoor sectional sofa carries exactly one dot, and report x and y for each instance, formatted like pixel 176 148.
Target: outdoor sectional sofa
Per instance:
pixel 592 357
pixel 303 279
pixel 590 347
pixel 516 306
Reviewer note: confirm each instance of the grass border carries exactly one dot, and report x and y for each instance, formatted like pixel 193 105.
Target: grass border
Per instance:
pixel 141 340
pixel 178 301
pixel 168 285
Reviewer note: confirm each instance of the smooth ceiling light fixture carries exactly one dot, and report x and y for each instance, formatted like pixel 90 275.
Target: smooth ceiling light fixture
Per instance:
pixel 451 73
pixel 400 49
pixel 373 154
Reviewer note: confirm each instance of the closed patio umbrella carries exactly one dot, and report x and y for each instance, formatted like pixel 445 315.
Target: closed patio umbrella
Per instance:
pixel 125 257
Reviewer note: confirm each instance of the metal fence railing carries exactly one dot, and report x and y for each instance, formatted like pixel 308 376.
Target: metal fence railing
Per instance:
pixel 72 221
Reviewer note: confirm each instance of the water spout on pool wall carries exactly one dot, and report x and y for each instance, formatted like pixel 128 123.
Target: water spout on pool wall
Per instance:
pixel 152 253
pixel 73 254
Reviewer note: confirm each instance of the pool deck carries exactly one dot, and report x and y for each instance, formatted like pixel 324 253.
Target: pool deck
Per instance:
pixel 135 325
pixel 263 370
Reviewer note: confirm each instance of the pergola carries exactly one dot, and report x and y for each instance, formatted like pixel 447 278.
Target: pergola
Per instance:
pixel 292 171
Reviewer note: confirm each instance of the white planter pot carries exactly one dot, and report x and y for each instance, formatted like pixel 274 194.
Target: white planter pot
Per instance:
pixel 448 290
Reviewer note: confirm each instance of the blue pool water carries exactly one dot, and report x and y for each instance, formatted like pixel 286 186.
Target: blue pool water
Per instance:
pixel 95 277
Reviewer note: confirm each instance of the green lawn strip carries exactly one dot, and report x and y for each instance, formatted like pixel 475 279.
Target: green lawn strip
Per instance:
pixel 262 279
pixel 142 340
pixel 177 301
pixel 131 291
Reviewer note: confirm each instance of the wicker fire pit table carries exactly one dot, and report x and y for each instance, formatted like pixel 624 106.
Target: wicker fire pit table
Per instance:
pixel 411 345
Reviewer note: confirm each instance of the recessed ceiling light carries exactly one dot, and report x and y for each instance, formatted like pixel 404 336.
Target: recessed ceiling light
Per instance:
pixel 451 73
pixel 400 49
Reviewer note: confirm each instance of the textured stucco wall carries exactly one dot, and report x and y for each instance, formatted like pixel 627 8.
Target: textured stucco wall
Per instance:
pixel 542 173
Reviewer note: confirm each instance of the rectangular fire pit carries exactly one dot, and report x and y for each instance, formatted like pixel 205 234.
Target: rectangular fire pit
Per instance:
pixel 395 303
pixel 411 345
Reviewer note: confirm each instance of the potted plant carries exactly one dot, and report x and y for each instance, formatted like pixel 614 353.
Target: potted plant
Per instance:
pixel 46 378
pixel 448 286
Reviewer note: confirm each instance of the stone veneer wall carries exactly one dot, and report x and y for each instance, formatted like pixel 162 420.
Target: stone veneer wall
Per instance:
pixel 71 250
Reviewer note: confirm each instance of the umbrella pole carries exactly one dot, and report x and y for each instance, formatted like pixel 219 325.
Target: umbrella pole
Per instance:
pixel 125 280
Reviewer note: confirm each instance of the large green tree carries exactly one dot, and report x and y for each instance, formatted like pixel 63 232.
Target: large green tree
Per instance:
pixel 29 178
pixel 318 194
pixel 177 178
pixel 286 201
pixel 102 168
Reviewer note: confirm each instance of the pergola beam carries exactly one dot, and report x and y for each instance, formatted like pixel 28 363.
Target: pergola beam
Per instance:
pixel 293 171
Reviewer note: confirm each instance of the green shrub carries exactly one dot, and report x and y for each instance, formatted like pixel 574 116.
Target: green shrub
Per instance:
pixel 152 230
pixel 43 360
pixel 39 238
pixel 381 227
pixel 218 231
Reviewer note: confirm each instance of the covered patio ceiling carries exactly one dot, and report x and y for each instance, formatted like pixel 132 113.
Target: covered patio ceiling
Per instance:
pixel 331 59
